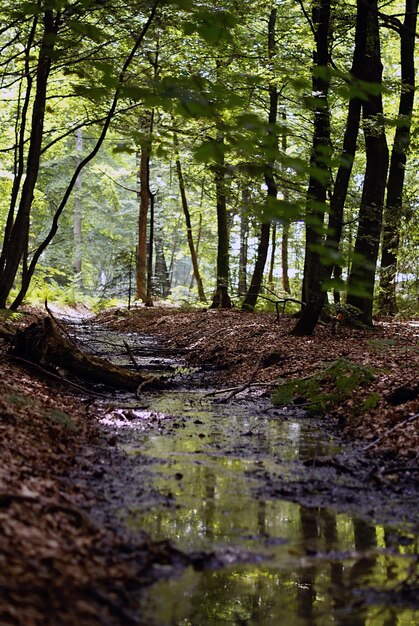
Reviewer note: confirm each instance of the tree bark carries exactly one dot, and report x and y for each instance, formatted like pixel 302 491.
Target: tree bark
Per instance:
pixel 77 223
pixel 185 207
pixel 221 299
pixel 362 276
pixel 252 294
pixel 394 203
pixel 244 236
pixel 313 294
pixel 16 244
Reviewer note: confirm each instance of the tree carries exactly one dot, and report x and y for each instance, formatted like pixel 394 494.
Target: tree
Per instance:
pixel 54 23
pixel 394 202
pixel 313 294
pixel 262 252
pixel 362 276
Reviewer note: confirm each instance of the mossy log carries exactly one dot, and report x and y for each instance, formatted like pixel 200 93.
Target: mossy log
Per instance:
pixel 46 344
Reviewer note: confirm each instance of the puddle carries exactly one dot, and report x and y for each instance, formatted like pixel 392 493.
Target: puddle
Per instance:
pixel 283 520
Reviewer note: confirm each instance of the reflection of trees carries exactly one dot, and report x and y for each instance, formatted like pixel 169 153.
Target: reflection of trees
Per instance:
pixel 208 512
pixel 306 594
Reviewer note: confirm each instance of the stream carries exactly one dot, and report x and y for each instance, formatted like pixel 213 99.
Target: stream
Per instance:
pixel 287 523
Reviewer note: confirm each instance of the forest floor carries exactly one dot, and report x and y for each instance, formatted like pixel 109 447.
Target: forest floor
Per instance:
pixel 243 347
pixel 56 565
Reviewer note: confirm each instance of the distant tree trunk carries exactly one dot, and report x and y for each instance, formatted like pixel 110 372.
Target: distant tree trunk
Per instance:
pixel 272 262
pixel 197 246
pixel 262 253
pixel 362 276
pixel 185 207
pixel 244 236
pixel 150 246
pixel 15 245
pixel 313 294
pixel 162 273
pixel 286 226
pixel 77 223
pixel 221 299
pixel 284 258
pixel 144 199
pixel 143 178
pixel 393 210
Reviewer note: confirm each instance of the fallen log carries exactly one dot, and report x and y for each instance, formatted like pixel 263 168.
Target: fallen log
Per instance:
pixel 45 343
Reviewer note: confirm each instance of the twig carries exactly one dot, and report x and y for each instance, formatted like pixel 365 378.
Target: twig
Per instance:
pixel 245 385
pixel 388 432
pixel 131 356
pixel 216 392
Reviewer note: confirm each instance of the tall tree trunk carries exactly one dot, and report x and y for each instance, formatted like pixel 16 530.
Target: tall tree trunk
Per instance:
pixel 20 136
pixel 145 197
pixel 244 236
pixel 16 244
pixel 197 247
pixel 394 204
pixel 362 276
pixel 221 299
pixel 285 226
pixel 313 294
pixel 284 258
pixel 77 223
pixel 144 200
pixel 162 273
pixel 185 207
pixel 262 253
pixel 272 262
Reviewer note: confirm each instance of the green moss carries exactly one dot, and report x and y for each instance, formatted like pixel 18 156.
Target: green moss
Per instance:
pixel 326 389
pixel 62 419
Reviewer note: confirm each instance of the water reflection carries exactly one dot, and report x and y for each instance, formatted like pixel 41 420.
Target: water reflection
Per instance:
pixel 305 565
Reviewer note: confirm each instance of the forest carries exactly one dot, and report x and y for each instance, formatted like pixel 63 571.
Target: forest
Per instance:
pixel 209 321
pixel 171 150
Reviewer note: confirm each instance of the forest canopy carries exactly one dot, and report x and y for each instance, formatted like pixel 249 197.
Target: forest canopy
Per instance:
pixel 217 152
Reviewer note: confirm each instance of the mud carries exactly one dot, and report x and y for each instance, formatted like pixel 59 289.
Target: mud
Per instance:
pixel 279 519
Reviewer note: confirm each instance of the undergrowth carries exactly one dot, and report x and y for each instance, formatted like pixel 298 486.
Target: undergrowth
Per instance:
pixel 328 388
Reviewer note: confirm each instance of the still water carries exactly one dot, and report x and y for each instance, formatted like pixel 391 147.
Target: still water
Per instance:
pixel 222 480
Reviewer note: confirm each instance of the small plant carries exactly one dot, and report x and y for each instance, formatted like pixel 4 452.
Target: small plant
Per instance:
pixel 326 389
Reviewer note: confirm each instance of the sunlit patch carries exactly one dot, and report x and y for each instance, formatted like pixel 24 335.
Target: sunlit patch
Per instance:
pixel 135 419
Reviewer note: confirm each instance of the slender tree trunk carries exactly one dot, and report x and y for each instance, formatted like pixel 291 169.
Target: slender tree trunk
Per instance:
pixel 394 204
pixel 185 207
pixel 16 243
pixel 197 247
pixel 262 253
pixel 313 294
pixel 150 246
pixel 162 273
pixel 272 262
pixel 244 236
pixel 284 258
pixel 144 200
pixel 286 226
pixel 19 157
pixel 77 223
pixel 221 299
pixel 362 276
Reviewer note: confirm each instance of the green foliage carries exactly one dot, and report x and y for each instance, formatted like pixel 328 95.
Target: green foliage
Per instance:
pixel 328 388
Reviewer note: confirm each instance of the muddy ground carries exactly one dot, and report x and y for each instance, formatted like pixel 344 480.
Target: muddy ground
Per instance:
pixel 61 565
pixel 237 343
